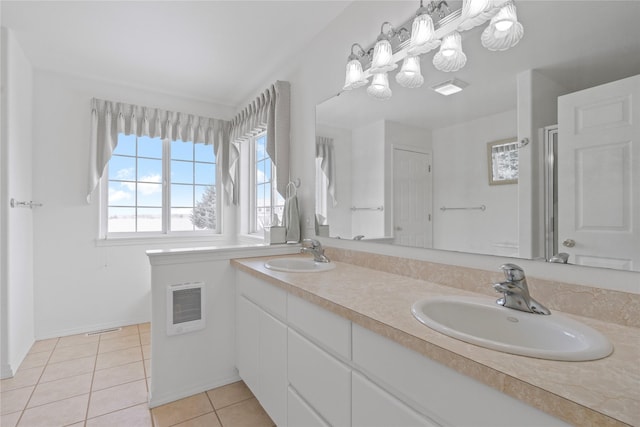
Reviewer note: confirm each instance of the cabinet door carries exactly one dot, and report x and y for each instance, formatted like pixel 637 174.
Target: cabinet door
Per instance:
pixel 299 413
pixel 374 407
pixel 272 368
pixel 247 331
pixel 320 379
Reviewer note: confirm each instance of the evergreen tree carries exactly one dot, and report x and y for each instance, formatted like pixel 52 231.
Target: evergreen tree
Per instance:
pixel 204 214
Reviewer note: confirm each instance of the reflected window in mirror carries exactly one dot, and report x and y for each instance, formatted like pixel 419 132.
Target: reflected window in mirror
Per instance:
pixel 503 161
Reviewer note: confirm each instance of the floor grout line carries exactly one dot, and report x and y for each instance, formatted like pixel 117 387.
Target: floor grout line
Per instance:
pixel 37 383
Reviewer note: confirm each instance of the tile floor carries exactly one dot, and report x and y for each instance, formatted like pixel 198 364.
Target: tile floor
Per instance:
pixel 103 380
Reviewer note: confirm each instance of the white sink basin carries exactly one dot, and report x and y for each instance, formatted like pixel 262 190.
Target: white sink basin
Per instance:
pixel 298 265
pixel 487 324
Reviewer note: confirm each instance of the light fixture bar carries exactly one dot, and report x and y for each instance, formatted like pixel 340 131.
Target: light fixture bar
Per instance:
pixel 442 27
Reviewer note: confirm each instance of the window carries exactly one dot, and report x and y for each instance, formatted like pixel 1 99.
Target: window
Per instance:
pixel 138 201
pixel 267 202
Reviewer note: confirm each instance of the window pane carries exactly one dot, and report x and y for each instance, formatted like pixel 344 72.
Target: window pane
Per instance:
pixel 261 147
pixel 150 195
pixel 267 195
pixel 181 195
pixel 149 147
pixel 181 219
pixel 121 220
pixel 149 170
pixel 260 195
pixel 122 168
pixel 181 150
pixel 126 145
pixel 181 172
pixel 204 213
pixel 267 169
pixel 260 176
pixel 204 153
pixel 205 173
pixel 122 193
pixel 149 219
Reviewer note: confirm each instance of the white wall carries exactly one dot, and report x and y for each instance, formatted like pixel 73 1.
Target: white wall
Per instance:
pixel 79 285
pixel 17 223
pixel 460 179
pixel 318 73
pixel 367 179
pixel 537 108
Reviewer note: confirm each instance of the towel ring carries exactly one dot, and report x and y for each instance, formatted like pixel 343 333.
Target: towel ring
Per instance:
pixel 295 190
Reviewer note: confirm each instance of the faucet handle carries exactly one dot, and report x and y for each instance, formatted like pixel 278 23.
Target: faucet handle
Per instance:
pixel 512 272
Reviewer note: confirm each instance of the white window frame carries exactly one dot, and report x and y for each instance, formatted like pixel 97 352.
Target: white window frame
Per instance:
pixel 165 234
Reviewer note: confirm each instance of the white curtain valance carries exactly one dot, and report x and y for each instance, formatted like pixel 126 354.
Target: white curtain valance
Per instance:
pixel 326 152
pixel 271 111
pixel 109 118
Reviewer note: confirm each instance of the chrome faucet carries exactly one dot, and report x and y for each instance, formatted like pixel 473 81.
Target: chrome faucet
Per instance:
pixel 314 247
pixel 516 292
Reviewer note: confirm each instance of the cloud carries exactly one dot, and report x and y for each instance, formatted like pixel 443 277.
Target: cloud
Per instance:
pixel 118 195
pixel 145 188
pixel 126 173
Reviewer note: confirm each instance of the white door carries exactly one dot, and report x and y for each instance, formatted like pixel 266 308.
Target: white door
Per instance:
pixel 599 175
pixel 412 198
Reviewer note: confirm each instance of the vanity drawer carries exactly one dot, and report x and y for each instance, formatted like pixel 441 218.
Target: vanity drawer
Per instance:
pixel 268 297
pixel 374 407
pixel 320 379
pixel 300 413
pixel 321 326
pixel 436 390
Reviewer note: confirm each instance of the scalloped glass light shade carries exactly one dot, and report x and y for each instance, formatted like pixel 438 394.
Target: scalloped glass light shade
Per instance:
pixel 422 35
pixel 475 12
pixel 409 75
pixel 504 31
pixel 382 57
pixel 354 75
pixel 379 87
pixel 450 57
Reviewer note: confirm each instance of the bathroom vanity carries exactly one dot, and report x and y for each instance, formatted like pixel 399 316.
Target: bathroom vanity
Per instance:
pixel 341 348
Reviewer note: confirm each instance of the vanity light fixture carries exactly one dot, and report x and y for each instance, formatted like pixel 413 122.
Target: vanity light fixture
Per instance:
pixel 450 87
pixel 433 25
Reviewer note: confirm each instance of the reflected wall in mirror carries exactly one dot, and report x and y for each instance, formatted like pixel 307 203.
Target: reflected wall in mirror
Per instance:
pixel 412 170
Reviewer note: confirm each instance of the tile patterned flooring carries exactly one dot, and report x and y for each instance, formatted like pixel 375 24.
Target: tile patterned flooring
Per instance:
pixel 103 380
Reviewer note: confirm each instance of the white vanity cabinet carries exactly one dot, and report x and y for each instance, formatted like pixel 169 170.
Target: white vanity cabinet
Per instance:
pixel 444 395
pixel 319 357
pixel 310 367
pixel 261 343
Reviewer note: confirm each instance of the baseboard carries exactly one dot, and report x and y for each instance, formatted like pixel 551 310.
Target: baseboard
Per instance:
pixel 90 328
pixel 162 398
pixel 6 371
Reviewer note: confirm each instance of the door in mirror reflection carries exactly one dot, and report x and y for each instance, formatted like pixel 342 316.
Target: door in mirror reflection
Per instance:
pixel 412 198
pixel 599 183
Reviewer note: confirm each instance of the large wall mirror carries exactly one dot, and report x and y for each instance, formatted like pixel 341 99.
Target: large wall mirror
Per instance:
pixel 414 170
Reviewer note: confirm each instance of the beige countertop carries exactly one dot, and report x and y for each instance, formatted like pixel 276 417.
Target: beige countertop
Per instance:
pixel 594 393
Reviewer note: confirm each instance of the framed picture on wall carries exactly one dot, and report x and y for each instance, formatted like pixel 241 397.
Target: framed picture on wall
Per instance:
pixel 502 164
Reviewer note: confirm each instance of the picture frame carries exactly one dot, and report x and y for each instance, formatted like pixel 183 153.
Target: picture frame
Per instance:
pixel 503 161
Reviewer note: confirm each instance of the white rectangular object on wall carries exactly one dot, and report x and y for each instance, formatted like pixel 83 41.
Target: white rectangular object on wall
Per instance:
pixel 185 308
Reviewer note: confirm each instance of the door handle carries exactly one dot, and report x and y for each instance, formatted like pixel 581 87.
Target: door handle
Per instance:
pixel 569 243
